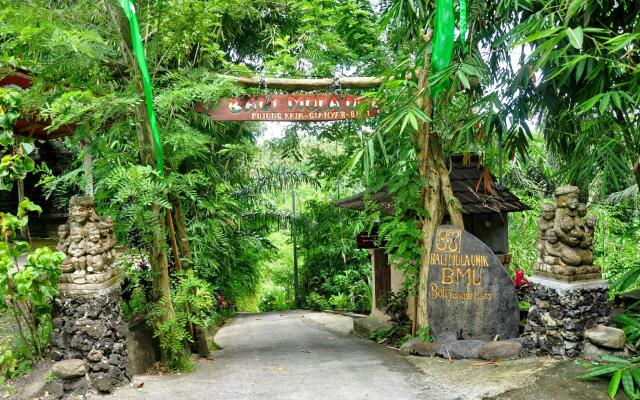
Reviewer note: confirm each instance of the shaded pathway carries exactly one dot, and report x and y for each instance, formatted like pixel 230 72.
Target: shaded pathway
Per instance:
pixel 309 355
pixel 292 355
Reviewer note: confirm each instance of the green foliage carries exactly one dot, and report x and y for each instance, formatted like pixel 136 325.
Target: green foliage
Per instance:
pixel 137 280
pixel 588 87
pixel 424 333
pixel 395 305
pixel 622 372
pixel 339 301
pixel 332 264
pixel 630 323
pixel 193 305
pixel 316 302
pixel 27 288
pixel 394 336
pixel 15 360
pixel 275 299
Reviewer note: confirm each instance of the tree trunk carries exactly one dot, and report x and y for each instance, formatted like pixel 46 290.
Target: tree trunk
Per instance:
pixel 437 195
pixel 181 229
pixel 636 172
pixel 174 245
pixel 199 334
pixel 157 241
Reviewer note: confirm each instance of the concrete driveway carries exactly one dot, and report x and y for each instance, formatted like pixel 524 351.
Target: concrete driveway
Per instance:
pixel 291 355
pixel 310 355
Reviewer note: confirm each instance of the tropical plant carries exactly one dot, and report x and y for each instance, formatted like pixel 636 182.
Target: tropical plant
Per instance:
pixel 316 302
pixel 339 301
pixel 424 333
pixel 27 288
pixel 194 306
pixel 622 372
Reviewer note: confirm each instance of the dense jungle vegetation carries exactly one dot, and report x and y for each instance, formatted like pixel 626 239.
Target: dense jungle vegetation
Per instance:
pixel 547 90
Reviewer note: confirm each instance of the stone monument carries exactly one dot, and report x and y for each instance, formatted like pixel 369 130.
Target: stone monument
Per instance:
pixel 569 295
pixel 89 332
pixel 470 295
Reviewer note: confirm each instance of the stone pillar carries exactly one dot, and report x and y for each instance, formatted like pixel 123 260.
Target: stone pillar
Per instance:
pixel 568 293
pixel 89 336
pixel 560 314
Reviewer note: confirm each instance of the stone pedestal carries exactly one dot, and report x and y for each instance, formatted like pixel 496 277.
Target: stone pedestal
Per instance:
pixel 561 312
pixel 88 327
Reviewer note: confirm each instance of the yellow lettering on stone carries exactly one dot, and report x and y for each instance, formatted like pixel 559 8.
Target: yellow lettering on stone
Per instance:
pixel 447 276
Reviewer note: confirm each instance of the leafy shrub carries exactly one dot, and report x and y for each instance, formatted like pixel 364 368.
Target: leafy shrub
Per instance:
pixel 339 301
pixel 630 323
pixel 136 285
pixel 15 360
pixel 395 336
pixel 424 334
pixel 27 290
pixel 316 302
pixel 276 299
pixel 625 373
pixel 193 305
pixel 395 305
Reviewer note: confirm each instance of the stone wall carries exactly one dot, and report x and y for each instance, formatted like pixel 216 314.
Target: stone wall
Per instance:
pixel 561 313
pixel 89 327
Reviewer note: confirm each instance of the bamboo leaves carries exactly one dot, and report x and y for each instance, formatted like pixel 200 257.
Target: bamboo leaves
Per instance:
pixel 575 36
pixel 623 373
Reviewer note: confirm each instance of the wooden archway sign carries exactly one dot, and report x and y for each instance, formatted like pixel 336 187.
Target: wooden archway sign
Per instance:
pixel 300 107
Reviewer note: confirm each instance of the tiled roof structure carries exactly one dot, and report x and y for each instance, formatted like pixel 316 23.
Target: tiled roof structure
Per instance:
pixel 473 185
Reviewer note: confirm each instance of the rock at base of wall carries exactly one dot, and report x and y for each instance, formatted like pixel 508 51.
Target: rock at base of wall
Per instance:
pixel 67 369
pixel 500 350
pixel 88 328
pixel 593 352
pixel 605 336
pixel 460 349
pixel 416 347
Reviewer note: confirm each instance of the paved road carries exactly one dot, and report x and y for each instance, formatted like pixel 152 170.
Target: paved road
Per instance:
pixel 292 355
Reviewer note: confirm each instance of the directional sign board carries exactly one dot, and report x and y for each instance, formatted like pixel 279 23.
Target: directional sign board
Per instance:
pixel 288 107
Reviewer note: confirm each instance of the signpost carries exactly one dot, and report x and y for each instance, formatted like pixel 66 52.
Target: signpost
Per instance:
pixel 289 107
pixel 470 294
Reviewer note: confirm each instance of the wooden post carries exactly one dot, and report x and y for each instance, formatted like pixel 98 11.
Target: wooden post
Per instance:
pixel 296 293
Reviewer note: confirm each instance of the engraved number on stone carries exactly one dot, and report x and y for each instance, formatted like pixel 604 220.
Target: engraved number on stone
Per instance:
pixel 448 240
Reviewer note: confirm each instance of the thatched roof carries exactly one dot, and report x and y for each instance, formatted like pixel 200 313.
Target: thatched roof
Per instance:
pixel 473 185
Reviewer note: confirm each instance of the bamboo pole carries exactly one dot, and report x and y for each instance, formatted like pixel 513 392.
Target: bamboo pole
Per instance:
pixel 363 82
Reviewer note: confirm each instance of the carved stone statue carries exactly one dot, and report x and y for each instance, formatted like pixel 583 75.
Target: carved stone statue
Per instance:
pixel 89 243
pixel 565 239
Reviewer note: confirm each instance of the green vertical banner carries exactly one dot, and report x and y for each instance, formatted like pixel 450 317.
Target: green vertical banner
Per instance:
pixel 138 51
pixel 463 25
pixel 444 37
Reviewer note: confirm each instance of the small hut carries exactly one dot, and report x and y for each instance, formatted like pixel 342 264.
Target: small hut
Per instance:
pixel 53 154
pixel 486 205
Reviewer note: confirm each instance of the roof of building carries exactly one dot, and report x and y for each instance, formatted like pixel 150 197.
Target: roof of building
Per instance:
pixel 472 183
pixel 31 124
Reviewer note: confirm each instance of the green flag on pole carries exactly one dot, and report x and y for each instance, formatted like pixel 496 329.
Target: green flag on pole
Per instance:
pixel 138 51
pixel 444 37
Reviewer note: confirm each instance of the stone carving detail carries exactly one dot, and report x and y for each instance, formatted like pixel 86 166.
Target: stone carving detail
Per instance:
pixel 89 243
pixel 565 239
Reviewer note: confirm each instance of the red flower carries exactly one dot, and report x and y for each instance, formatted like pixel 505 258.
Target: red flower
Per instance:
pixel 520 279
